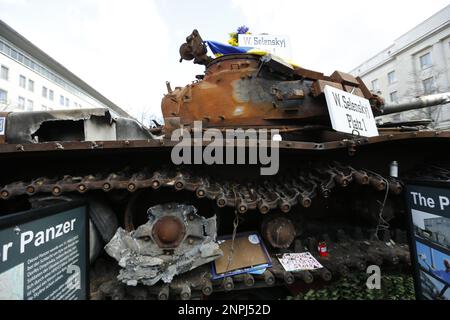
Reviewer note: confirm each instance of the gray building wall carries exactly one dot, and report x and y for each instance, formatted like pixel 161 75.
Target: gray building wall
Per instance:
pixel 440 227
pixel 406 59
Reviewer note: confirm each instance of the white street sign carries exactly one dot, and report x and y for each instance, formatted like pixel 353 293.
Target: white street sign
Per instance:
pixel 350 113
pixel 274 44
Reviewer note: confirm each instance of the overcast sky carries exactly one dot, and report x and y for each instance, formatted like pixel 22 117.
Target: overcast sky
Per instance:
pixel 128 49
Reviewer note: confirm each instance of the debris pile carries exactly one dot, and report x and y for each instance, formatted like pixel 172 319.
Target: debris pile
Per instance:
pixel 174 240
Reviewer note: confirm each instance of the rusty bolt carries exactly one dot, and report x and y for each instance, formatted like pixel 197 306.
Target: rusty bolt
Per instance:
pixel 168 232
pixel 221 202
pixel 106 186
pixel 263 209
pixel 56 190
pixel 306 202
pixel 228 284
pixel 200 193
pixel 179 185
pixel 207 288
pixel 5 194
pixel 155 184
pixel 131 187
pixel 285 207
pixel 30 190
pixel 243 208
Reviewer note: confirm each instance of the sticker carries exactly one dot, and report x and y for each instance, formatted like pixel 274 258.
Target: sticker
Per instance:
pixel 2 125
pixel 299 262
pixel 253 238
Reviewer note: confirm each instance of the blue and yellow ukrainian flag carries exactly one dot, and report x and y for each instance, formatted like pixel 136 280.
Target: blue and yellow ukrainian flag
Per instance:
pixel 220 49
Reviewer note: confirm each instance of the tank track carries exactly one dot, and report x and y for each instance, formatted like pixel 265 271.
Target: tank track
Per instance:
pixel 348 253
pixel 280 192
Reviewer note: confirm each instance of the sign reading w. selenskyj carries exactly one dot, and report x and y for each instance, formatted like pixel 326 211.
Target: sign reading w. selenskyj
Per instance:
pixel 278 45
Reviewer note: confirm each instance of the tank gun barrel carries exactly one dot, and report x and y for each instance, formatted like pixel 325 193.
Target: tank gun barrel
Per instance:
pixel 417 103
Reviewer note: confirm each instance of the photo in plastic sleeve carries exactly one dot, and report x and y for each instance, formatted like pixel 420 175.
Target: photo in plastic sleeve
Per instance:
pixel 432 288
pixel 11 283
pixel 434 262
pixel 431 227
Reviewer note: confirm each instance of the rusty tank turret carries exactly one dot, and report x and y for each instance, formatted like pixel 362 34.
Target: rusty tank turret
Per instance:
pixel 330 188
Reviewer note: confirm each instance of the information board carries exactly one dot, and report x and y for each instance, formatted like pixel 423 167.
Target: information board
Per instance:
pixel 44 254
pixel 429 210
pixel 278 45
pixel 350 113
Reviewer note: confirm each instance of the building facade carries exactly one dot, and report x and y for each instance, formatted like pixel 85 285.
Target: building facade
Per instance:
pixel 416 64
pixel 30 80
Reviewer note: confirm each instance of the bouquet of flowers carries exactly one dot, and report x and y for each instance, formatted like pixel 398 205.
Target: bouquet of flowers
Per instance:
pixel 233 41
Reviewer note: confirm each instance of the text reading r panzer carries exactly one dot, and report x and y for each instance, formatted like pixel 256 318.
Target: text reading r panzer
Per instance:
pixel 30 238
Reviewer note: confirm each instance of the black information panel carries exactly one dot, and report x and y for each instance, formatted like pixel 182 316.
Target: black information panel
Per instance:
pixel 430 239
pixel 44 254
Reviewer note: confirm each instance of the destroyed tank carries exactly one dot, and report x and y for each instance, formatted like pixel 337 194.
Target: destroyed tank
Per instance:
pixel 158 227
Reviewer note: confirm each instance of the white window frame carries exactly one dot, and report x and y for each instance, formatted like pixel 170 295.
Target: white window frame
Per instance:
pixel 21 103
pixel 22 84
pixel 30 105
pixel 6 96
pixel 423 67
pixel 396 96
pixel 393 79
pixel 3 68
pixel 30 85
pixel 377 86
pixel 433 86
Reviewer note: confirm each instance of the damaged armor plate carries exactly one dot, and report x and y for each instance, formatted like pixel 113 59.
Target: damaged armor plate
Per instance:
pixel 174 240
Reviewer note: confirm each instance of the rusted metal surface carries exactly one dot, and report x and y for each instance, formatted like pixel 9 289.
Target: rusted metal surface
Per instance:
pixel 278 231
pixel 242 89
pixel 195 49
pixel 168 232
pixel 299 189
pixel 385 136
pixel 72 125
pixel 174 241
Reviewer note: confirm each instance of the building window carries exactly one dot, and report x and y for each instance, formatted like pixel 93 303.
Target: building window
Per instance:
pixel 393 96
pixel 4 73
pixel 428 86
pixel 22 103
pixel 31 85
pixel 375 85
pixel 44 92
pixel 425 61
pixel 50 95
pixel 61 100
pixel 67 102
pixel 30 105
pixel 391 77
pixel 3 96
pixel 22 81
